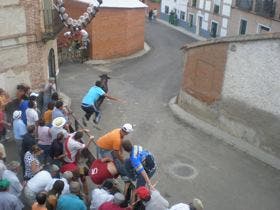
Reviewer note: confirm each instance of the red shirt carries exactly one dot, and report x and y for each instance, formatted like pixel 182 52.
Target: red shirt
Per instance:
pixel 68 167
pixel 99 172
pixel 111 206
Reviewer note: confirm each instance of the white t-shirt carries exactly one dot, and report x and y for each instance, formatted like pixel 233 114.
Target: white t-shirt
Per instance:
pixel 71 148
pixel 65 188
pixel 39 181
pixel 99 196
pixel 31 116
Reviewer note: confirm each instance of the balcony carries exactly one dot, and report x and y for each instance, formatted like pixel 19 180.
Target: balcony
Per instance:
pixel 265 8
pixel 53 24
pixel 246 5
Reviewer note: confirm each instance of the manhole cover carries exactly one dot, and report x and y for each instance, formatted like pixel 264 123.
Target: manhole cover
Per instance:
pixel 183 170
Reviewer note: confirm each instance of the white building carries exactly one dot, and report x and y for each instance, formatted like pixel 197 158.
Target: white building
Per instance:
pixel 207 18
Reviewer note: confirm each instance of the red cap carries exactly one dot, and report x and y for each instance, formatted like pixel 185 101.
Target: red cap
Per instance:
pixel 143 193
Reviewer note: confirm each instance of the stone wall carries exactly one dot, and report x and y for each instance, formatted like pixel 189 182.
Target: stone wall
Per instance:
pixel 232 84
pixel 23 55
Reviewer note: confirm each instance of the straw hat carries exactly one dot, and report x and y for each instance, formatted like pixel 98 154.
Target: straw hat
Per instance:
pixel 58 122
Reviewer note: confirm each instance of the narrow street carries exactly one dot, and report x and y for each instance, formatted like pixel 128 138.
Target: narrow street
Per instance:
pixel 223 177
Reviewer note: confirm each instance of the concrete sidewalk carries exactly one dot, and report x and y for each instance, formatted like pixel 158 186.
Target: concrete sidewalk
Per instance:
pixel 182 30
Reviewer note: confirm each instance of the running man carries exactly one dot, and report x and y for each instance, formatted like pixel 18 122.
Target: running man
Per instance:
pixel 89 100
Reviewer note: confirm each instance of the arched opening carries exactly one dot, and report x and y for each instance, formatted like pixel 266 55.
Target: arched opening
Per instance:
pixel 51 63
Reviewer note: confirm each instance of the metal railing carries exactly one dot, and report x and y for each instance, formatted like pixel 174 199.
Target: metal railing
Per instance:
pixel 265 8
pixel 52 22
pixel 246 5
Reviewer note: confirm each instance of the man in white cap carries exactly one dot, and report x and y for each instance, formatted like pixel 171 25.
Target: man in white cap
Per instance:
pixel 19 129
pixel 195 205
pixel 110 145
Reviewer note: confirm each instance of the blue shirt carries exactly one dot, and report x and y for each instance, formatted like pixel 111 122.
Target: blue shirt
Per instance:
pixel 92 95
pixel 137 156
pixel 58 113
pixel 70 202
pixel 22 107
pixel 19 129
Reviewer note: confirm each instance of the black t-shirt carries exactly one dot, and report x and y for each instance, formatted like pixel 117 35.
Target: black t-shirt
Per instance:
pixel 56 149
pixel 27 142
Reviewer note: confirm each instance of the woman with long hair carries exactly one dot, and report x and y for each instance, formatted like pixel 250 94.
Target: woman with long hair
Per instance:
pixel 54 194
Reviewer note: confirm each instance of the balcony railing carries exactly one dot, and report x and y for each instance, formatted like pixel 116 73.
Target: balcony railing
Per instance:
pixel 53 24
pixel 265 8
pixel 246 5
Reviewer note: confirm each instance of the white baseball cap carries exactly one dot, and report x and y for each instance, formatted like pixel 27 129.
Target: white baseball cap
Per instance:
pixel 127 128
pixel 34 94
pixel 17 114
pixel 58 122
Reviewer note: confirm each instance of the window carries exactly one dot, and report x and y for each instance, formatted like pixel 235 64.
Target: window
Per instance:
pixel 200 22
pixel 182 15
pixel 191 20
pixel 193 3
pixel 217 4
pixel 243 26
pixel 216 9
pixel 263 29
pixel 166 9
pixel 214 29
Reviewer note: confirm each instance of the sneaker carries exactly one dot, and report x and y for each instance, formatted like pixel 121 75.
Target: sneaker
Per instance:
pixel 97 119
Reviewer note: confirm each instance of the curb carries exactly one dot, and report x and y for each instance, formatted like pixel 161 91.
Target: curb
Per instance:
pixel 146 49
pixel 222 135
pixel 182 30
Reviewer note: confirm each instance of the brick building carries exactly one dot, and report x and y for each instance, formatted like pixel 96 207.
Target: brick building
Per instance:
pixel 28 51
pixel 232 84
pixel 116 31
pixel 254 16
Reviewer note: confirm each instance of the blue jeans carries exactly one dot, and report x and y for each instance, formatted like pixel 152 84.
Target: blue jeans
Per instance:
pixel 89 110
pixel 149 167
pixel 102 153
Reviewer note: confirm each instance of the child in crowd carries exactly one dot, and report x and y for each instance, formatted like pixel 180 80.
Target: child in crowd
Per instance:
pixel 41 202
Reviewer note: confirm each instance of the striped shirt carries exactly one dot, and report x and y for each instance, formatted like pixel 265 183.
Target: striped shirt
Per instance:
pixel 137 156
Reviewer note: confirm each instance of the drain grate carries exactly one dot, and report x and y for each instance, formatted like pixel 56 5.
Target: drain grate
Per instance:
pixel 183 171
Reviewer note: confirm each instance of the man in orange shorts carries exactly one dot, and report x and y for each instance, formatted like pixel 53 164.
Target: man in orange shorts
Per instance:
pixel 110 145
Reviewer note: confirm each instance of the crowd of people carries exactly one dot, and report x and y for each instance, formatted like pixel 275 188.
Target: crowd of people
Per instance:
pixel 50 174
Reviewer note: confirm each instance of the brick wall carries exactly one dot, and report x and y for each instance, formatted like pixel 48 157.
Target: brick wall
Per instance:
pixel 114 32
pixel 204 72
pixel 230 83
